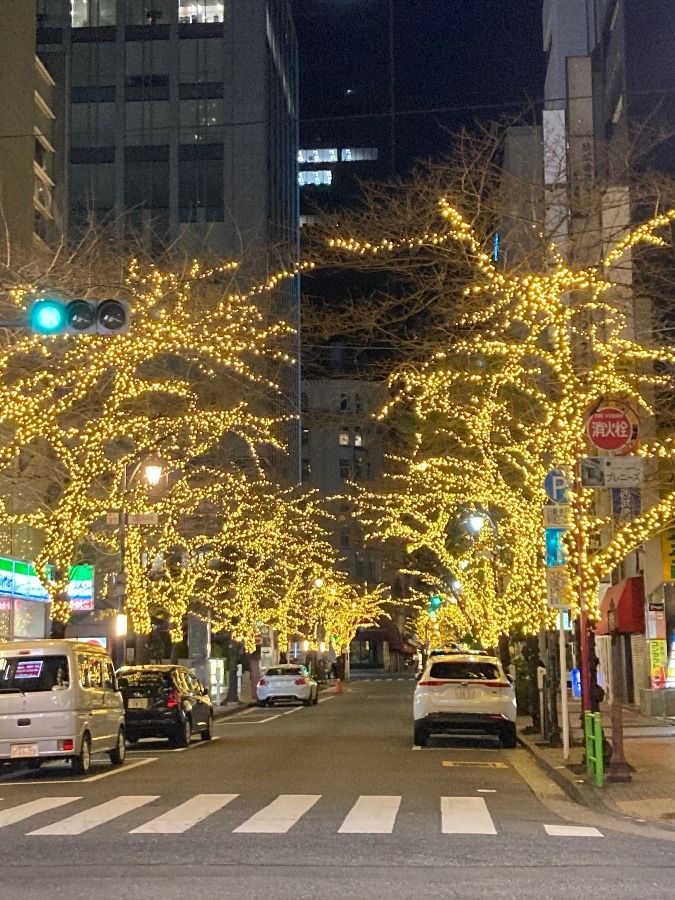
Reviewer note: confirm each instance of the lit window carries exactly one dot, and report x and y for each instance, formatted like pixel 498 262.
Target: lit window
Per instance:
pixel 305 437
pixel 321 155
pixel 315 176
pixel 308 220
pixel 358 154
pixel 357 437
pixel 344 437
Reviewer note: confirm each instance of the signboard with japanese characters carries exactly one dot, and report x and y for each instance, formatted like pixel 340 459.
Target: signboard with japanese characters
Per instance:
pixel 558 587
pixel 668 554
pixel 612 471
pixel 626 504
pixel 558 516
pixel 609 428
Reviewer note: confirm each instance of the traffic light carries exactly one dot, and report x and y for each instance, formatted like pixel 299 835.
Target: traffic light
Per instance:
pixel 53 316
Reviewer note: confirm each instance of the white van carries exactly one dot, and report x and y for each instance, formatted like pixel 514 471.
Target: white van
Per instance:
pixel 59 700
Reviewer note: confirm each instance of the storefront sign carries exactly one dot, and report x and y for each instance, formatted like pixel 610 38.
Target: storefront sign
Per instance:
pixel 626 504
pixel 19 579
pixel 668 554
pixel 658 663
pixel 612 472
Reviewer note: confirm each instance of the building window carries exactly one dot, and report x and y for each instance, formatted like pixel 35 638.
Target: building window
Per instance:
pixel 201 183
pixel 344 469
pixel 93 125
pixel 147 122
pixel 358 468
pixel 201 11
pixel 306 469
pixel 323 155
pixel 305 437
pixel 201 60
pixel 344 437
pixel 201 120
pixel 358 154
pixel 358 438
pixel 90 13
pixel 307 220
pixel 304 400
pixel 315 176
pixel 344 402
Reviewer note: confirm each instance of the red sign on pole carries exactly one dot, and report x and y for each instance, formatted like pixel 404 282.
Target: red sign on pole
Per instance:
pixel 609 428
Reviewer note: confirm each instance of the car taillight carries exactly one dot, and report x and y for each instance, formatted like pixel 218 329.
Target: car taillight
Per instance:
pixel 430 683
pixel 173 697
pixel 263 682
pixel 300 681
pixel 65 745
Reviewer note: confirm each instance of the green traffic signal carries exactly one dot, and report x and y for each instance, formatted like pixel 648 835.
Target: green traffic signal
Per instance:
pixel 435 602
pixel 47 316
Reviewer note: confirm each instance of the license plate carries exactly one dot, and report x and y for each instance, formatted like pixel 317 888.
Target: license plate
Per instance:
pixel 464 694
pixel 23 751
pixel 137 703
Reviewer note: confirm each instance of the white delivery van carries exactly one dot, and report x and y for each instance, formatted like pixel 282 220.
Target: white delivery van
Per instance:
pixel 59 700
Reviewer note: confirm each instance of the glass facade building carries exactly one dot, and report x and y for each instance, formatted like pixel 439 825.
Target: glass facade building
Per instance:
pixel 184 129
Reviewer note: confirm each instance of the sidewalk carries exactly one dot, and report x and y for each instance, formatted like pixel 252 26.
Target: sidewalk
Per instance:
pixel 649 746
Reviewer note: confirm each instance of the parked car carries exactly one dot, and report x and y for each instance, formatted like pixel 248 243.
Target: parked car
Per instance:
pixel 165 701
pixel 59 700
pixel 464 694
pixel 287 682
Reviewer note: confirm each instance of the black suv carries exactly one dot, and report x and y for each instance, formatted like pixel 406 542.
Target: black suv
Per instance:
pixel 165 701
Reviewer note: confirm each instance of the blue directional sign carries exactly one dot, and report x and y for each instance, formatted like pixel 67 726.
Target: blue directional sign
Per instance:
pixel 556 552
pixel 556 485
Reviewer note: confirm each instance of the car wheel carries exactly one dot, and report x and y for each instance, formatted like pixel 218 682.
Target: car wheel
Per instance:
pixel 509 738
pixel 207 733
pixel 82 762
pixel 33 764
pixel 261 703
pixel 119 752
pixel 182 735
pixel 421 736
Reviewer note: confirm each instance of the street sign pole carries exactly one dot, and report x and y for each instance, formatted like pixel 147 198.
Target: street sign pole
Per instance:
pixel 583 614
pixel 564 712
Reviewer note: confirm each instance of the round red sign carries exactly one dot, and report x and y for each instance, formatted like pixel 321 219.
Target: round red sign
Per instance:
pixel 609 428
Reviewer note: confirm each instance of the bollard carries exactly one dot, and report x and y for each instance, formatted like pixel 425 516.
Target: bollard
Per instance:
pixel 338 686
pixel 595 764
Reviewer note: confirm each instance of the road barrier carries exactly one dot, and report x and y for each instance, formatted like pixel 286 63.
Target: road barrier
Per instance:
pixel 595 764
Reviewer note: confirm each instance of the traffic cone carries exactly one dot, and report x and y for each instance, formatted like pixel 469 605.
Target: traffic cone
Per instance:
pixel 338 686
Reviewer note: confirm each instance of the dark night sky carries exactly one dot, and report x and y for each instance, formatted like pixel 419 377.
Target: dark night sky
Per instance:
pixel 463 54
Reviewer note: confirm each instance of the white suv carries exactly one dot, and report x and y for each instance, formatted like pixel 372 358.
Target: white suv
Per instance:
pixel 464 694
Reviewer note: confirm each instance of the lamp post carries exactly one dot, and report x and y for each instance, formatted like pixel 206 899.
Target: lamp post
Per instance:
pixel 618 770
pixel 152 472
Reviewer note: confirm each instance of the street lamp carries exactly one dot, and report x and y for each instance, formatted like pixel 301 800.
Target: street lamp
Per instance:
pixel 476 522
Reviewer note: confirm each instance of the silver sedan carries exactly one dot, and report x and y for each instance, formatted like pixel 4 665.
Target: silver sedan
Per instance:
pixel 287 683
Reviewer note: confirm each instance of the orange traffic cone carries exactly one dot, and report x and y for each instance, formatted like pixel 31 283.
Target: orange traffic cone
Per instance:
pixel 338 686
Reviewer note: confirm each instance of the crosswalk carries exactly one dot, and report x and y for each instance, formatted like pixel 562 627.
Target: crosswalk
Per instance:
pixel 369 814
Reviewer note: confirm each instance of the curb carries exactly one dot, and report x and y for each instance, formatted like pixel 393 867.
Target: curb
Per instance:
pixel 573 791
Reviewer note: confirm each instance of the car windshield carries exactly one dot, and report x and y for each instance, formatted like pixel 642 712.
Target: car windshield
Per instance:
pixel 145 678
pixel 32 674
pixel 465 671
pixel 286 670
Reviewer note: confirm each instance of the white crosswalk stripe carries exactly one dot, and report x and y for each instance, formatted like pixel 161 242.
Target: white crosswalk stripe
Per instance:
pixel 281 814
pixel 17 813
pixel 371 815
pixel 466 815
pixel 97 815
pixel 183 817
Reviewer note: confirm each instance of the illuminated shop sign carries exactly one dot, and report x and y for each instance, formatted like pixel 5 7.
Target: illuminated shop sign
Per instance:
pixel 19 579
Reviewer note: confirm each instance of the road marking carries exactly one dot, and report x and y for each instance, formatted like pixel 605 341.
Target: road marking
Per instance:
pixel 466 815
pixel 32 808
pixel 448 763
pixel 280 815
pixel 97 815
pixel 256 722
pixel 183 817
pixel 572 831
pixel 485 791
pixel 119 770
pixel 323 699
pixel 371 815
pixel 289 711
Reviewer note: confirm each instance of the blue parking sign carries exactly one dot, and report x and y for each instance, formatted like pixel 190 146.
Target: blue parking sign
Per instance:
pixel 556 485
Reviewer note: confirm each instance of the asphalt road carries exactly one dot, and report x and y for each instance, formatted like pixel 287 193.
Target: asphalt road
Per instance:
pixel 322 802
